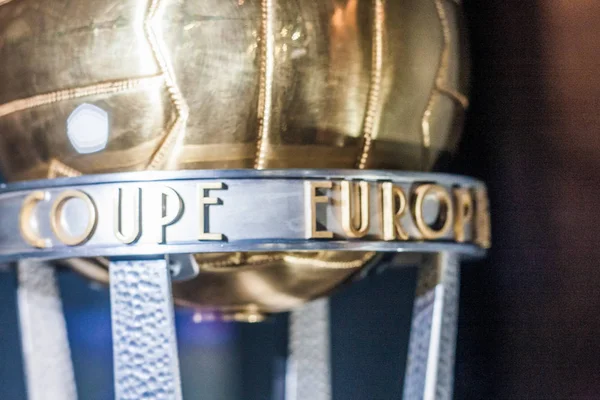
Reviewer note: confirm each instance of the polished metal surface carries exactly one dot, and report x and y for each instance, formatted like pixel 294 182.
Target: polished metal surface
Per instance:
pixel 129 177
pixel 145 357
pixel 46 353
pixel 309 355
pixel 231 83
pixel 258 211
pixel 110 86
pixel 430 365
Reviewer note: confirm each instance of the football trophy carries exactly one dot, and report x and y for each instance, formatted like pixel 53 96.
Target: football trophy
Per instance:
pixel 240 157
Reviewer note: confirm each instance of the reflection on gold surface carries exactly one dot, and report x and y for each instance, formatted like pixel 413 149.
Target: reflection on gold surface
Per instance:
pixel 222 84
pixel 60 170
pixel 333 75
pixel 267 64
pixel 173 136
pixel 355 208
pixel 373 103
pixel 104 88
pixel 445 218
pixel 440 86
pixel 394 205
pixel 311 199
pixel 463 213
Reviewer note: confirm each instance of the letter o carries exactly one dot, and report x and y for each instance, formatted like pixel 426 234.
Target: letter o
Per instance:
pixel 56 217
pixel 445 216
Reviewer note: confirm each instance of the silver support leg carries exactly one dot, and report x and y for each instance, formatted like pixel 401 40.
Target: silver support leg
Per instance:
pixel 143 326
pixel 430 365
pixel 308 369
pixel 46 354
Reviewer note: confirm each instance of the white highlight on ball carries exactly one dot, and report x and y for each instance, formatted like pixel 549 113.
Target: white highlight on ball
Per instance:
pixel 87 128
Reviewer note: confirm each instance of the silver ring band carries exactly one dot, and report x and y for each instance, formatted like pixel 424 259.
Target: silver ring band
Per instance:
pixel 154 213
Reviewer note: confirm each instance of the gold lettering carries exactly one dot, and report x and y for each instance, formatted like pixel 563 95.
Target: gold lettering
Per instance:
pixel 311 199
pixel 463 213
pixel 443 223
pixel 482 219
pixel 203 203
pixel 28 229
pixel 394 206
pixel 56 217
pixel 165 220
pixel 136 215
pixel 355 220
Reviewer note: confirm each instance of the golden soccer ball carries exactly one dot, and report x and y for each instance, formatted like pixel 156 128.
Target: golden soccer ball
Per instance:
pixel 128 85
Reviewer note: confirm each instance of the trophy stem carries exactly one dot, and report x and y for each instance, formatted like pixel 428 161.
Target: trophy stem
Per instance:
pixel 309 371
pixel 146 363
pixel 431 350
pixel 46 353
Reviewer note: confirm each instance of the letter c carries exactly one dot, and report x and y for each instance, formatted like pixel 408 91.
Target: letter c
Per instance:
pixel 29 232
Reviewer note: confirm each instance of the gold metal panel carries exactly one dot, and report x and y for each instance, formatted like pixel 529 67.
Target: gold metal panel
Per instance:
pixel 30 141
pixel 234 84
pixel 47 46
pixel 213 47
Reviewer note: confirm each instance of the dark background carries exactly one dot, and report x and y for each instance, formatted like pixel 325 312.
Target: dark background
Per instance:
pixel 529 316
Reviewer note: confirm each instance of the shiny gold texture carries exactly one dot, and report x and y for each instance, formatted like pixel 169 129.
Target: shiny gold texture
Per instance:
pixel 445 217
pixel 355 208
pixel 220 84
pixel 482 219
pixel 394 205
pixel 229 84
pixel 311 199
pixel 463 214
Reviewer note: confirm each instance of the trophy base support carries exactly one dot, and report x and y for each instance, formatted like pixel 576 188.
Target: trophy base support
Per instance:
pixel 46 353
pixel 432 344
pixel 316 205
pixel 145 357
pixel 145 346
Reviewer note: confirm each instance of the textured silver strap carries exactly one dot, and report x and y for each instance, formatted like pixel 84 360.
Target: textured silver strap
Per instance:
pixel 309 374
pixel 430 365
pixel 46 353
pixel 144 342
